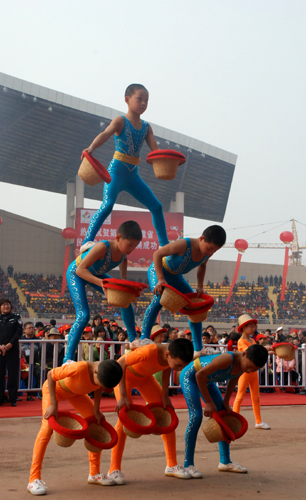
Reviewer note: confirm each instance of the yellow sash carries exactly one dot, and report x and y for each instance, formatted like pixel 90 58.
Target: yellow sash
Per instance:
pixel 165 266
pixel 63 386
pixel 133 160
pixel 197 364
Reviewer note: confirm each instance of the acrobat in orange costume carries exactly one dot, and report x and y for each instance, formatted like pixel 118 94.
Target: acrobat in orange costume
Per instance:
pixel 72 384
pixel 246 379
pixel 141 365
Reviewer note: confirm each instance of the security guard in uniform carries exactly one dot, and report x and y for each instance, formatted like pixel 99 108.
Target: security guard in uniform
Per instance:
pixel 10 333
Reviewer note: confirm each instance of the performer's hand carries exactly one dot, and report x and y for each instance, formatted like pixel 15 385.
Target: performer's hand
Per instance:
pixel 123 401
pixel 158 288
pixel 209 409
pixel 167 401
pixel 88 150
pixel 199 291
pixel 99 416
pixel 3 350
pixel 227 406
pixel 51 411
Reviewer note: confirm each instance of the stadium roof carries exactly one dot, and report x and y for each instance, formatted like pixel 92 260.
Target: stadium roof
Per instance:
pixel 42 134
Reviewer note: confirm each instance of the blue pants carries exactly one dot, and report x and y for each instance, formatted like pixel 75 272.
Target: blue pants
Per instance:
pixel 76 287
pixel 131 182
pixel 193 397
pixel 178 282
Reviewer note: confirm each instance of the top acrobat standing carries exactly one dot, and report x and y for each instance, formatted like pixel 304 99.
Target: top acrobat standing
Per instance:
pixel 130 132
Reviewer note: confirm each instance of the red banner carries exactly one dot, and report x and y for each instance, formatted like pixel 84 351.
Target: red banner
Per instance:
pixel 143 254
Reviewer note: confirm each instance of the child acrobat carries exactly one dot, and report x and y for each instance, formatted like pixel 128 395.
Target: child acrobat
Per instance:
pixel 90 268
pixel 198 380
pixel 130 132
pixel 247 326
pixel 138 368
pixel 73 383
pixel 174 260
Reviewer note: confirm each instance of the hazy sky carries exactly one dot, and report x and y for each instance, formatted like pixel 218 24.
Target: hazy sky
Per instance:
pixel 230 73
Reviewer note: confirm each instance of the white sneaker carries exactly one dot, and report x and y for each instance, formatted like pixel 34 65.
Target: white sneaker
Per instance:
pixel 140 343
pixel 68 362
pixel 194 472
pixel 37 487
pixel 101 479
pixel 177 471
pixel 86 246
pixel 262 425
pixel 116 476
pixel 232 467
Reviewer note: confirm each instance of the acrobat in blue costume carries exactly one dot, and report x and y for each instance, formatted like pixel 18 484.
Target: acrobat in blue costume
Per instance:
pixel 125 177
pixel 173 268
pixel 76 287
pixel 193 397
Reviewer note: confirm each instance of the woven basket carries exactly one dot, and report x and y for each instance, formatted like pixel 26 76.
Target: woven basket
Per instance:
pixel 285 351
pixel 69 424
pixel 197 318
pixel 100 436
pixel 197 311
pixel 172 299
pixel 88 173
pixel 165 168
pixel 212 431
pixel 140 419
pixel 166 418
pixel 119 298
pixel 234 424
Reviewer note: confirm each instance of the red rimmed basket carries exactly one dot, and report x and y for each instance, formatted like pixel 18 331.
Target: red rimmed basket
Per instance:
pixel 172 299
pixel 101 436
pixel 92 171
pixel 225 426
pixel 165 163
pixel 199 307
pixel 67 427
pixel 285 350
pixel 138 420
pixel 166 418
pixel 121 293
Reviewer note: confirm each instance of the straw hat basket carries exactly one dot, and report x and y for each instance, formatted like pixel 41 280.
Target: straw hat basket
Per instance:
pixel 68 427
pixel 166 418
pixel 225 426
pixel 199 307
pixel 138 420
pixel 172 299
pixel 285 350
pixel 92 171
pixel 165 163
pixel 100 436
pixel 121 293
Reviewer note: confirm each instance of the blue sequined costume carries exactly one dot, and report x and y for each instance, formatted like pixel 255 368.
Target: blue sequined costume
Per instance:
pixel 193 397
pixel 173 268
pixel 125 177
pixel 76 287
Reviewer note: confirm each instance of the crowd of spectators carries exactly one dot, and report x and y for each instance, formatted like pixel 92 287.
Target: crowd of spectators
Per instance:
pixel 293 308
pixel 7 291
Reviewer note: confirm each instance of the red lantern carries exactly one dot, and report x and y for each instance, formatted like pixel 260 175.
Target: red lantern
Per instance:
pixel 69 233
pixel 241 245
pixel 173 235
pixel 286 237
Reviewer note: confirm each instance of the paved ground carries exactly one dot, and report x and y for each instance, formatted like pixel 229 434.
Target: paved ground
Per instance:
pixel 275 459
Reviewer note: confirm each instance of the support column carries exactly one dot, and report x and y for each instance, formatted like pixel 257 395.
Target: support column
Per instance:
pixel 79 192
pixel 70 190
pixel 179 202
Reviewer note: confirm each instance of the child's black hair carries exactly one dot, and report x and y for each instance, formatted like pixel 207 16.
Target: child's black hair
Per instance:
pixel 53 322
pixel 257 354
pixel 130 230
pixel 206 334
pixel 4 301
pixel 131 89
pixel 181 348
pixel 215 234
pixel 109 373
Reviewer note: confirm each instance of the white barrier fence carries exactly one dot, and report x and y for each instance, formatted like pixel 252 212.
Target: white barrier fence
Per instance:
pixel 268 376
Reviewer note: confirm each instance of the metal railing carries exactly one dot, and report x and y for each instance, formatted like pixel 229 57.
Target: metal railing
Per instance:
pixel 267 374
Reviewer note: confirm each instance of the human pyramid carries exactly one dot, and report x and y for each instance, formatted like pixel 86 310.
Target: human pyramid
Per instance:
pixel 75 380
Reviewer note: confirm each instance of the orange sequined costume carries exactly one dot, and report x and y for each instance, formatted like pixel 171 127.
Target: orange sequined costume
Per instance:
pixel 141 366
pixel 77 385
pixel 246 379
